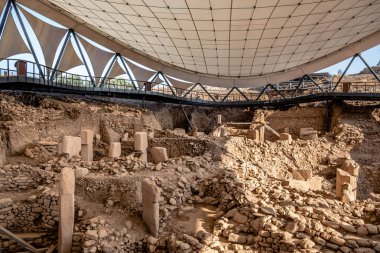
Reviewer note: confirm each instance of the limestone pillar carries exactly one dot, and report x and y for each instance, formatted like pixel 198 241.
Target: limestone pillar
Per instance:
pixel 87 148
pixel 351 167
pixel 159 154
pixel 141 141
pixel 150 205
pixel 262 128
pixel 223 131
pixel 141 144
pixel 114 150
pixel 343 177
pixel 71 145
pixel 66 210
pixel 286 137
pixel 219 119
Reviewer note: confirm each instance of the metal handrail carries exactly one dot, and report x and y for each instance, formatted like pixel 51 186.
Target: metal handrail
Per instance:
pixel 42 75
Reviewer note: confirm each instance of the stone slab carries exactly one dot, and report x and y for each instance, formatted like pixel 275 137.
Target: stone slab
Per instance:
pixel 159 154
pixel 351 167
pixel 141 141
pixel 344 177
pixel 297 184
pixel 87 137
pixel 114 150
pixel 71 145
pixel 66 210
pixel 87 152
pixel 150 205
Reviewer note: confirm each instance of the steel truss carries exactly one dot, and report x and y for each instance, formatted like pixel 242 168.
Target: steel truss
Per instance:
pixel 49 74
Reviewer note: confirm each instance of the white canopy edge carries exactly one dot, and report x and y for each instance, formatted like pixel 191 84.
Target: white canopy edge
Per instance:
pixel 67 19
pixel 11 42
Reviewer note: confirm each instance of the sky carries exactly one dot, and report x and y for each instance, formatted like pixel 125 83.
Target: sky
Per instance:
pixel 372 55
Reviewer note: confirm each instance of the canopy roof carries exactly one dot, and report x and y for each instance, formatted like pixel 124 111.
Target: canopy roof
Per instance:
pixel 225 43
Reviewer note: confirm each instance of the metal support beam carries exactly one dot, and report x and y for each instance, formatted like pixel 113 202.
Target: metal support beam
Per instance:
pixel 227 94
pixel 246 98
pixel 262 92
pixel 298 86
pixel 126 69
pixel 314 82
pixel 270 85
pixel 190 90
pixel 213 99
pixel 84 59
pixel 5 16
pixel 68 35
pixel 168 83
pixel 108 70
pixel 42 74
pixel 344 72
pixel 369 68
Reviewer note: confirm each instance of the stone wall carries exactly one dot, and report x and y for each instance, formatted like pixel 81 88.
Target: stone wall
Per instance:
pixel 124 191
pixel 296 118
pixel 24 177
pixel 177 147
pixel 37 213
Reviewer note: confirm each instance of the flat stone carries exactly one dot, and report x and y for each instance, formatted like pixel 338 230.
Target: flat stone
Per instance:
pixel 372 229
pixel 297 185
pixel 5 202
pixel 71 145
pixel 92 235
pixel 362 230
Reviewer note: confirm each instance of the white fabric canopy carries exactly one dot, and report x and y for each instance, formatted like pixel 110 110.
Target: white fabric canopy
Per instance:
pixel 70 58
pixel 139 73
pixel 179 84
pixel 225 43
pixel 116 70
pixel 11 42
pixel 98 57
pixel 49 36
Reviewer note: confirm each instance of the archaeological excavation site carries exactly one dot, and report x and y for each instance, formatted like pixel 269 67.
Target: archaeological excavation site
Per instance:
pixel 87 174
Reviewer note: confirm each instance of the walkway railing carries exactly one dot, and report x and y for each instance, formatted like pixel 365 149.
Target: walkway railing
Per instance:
pixel 19 71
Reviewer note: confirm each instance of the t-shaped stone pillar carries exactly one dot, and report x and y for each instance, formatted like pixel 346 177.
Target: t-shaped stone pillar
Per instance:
pixel 66 210
pixel 141 144
pixel 344 177
pixel 114 150
pixel 87 148
pixel 219 119
pixel 71 145
pixel 150 205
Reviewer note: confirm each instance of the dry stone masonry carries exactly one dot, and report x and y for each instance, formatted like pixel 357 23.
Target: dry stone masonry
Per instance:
pixel 260 188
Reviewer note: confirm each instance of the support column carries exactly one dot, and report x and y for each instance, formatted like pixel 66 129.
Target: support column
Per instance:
pixel 219 119
pixel 66 210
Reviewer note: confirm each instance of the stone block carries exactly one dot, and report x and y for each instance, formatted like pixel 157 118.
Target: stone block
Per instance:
pixel 159 154
pixel 344 177
pixel 114 149
pixel 150 205
pixel 59 148
pixel 315 183
pixel 66 210
pixel 80 171
pixel 297 184
pixel 313 136
pixel 285 137
pixel 87 153
pixel 262 133
pixel 5 202
pixel 71 145
pixel 305 173
pixel 223 132
pixel 308 133
pixel 140 141
pixel 87 137
pixel 179 131
pixel 351 167
pixel 97 139
pixel 219 119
